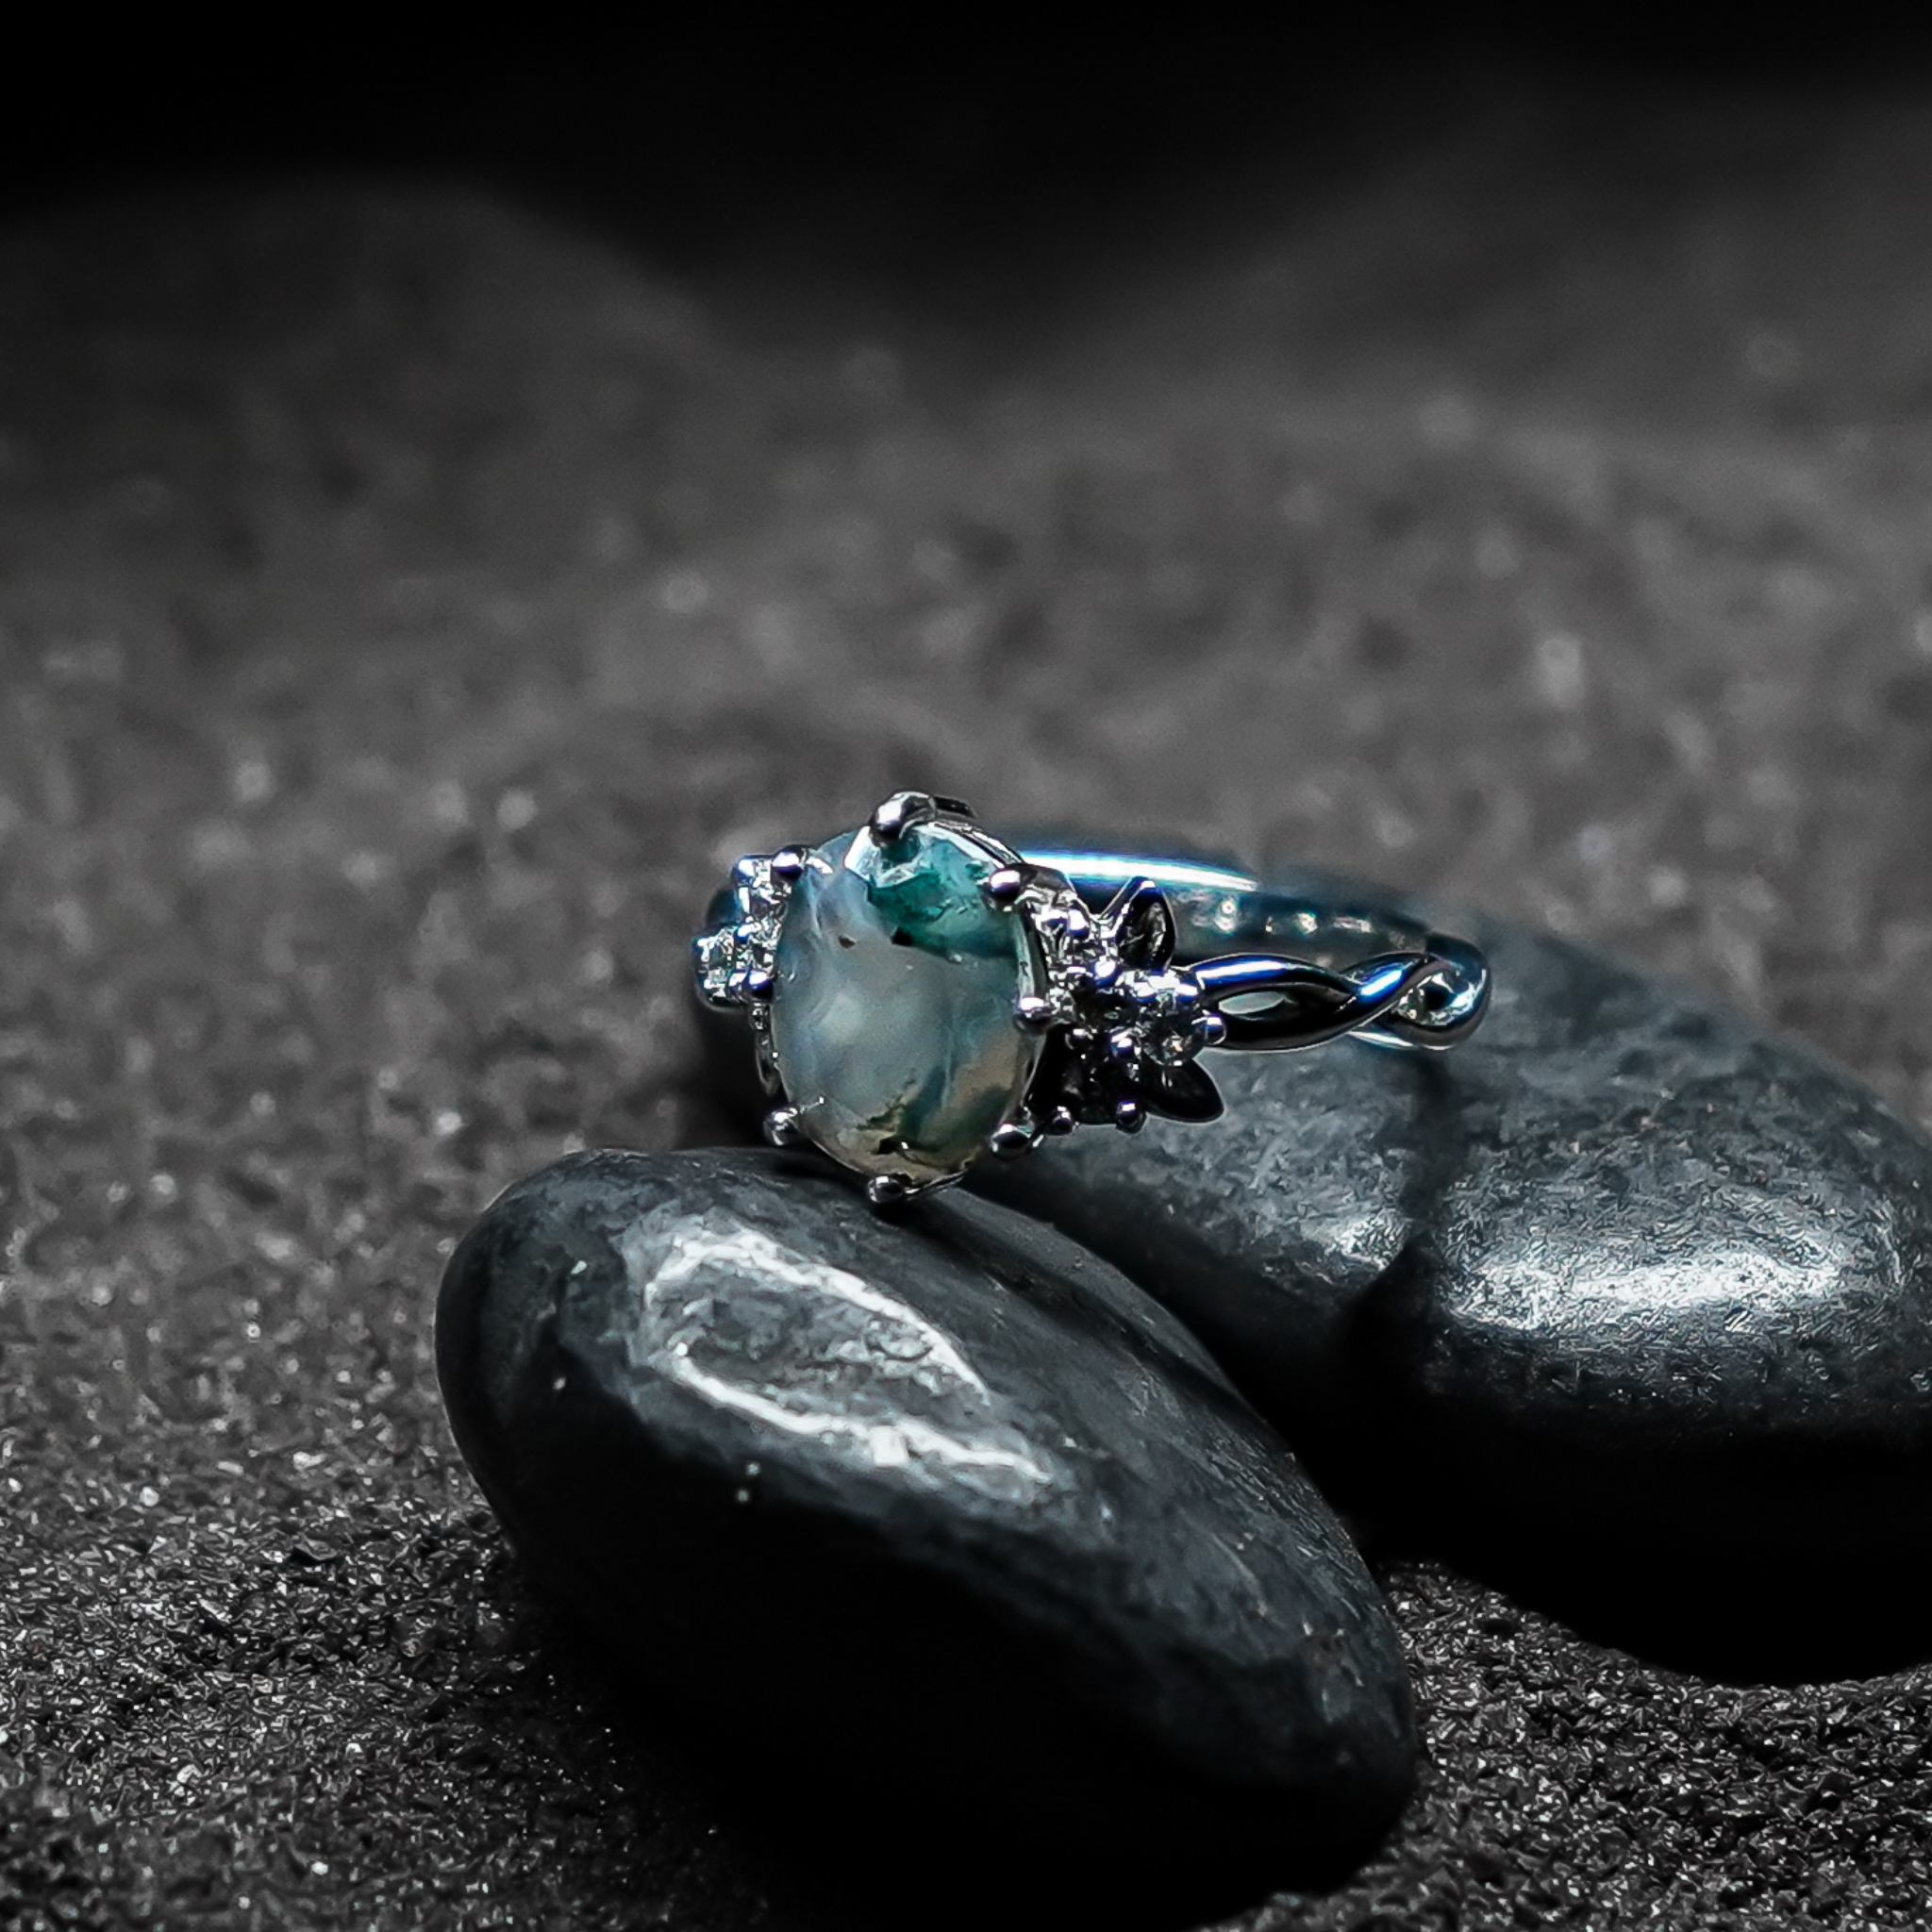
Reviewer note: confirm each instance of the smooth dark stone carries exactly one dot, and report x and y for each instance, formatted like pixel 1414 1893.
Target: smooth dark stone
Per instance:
pixel 953 1540
pixel 1625 1302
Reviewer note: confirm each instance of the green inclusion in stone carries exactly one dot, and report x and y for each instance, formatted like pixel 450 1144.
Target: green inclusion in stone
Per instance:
pixel 931 896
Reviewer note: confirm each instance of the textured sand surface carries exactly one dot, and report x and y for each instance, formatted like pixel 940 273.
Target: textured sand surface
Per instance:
pixel 407 604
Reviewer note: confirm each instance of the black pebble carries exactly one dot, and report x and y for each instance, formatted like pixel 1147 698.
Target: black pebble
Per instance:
pixel 1625 1304
pixel 958 1550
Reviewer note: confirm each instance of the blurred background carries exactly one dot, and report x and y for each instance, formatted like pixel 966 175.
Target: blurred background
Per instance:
pixel 446 515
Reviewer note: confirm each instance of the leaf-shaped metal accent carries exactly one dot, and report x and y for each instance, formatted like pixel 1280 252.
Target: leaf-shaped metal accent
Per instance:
pixel 768 1067
pixel 1186 1093
pixel 1138 925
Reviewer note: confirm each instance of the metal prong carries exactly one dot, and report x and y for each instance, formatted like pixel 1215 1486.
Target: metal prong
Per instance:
pixel 1210 1029
pixel 758 983
pixel 782 1128
pixel 1005 887
pixel 1012 1139
pixel 1062 1121
pixel 1122 1045
pixel 1129 1116
pixel 1033 1013
pixel 890 820
pixel 888 1190
pixel 789 864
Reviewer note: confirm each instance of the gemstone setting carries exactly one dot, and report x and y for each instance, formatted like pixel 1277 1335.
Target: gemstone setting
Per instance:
pixel 919 994
pixel 895 981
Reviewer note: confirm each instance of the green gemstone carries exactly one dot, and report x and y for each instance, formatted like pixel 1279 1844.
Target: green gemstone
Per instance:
pixel 893 1015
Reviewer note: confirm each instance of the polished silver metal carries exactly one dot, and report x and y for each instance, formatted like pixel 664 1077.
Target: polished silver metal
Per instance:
pixel 904 809
pixel 1134 981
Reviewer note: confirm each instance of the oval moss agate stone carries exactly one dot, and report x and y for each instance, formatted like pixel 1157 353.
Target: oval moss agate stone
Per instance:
pixel 936 1517
pixel 892 1022
pixel 1626 1303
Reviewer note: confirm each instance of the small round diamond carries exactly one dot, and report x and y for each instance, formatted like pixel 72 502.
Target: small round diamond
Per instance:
pixel 1165 1008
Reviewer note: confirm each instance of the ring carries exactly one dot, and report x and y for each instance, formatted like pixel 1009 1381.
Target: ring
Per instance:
pixel 921 994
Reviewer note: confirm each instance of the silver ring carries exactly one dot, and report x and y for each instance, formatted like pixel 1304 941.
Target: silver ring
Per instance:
pixel 921 994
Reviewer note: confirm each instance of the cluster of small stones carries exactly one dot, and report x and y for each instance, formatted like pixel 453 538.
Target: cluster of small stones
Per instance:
pixel 1122 1026
pixel 736 962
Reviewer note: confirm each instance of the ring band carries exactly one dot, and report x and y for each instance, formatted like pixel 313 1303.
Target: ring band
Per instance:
pixel 921 993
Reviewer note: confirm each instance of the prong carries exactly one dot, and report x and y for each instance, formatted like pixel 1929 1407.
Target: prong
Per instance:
pixel 758 982
pixel 789 864
pixel 904 809
pixel 1062 1121
pixel 1103 972
pixel 1129 1116
pixel 1034 1014
pixel 1122 1045
pixel 1005 887
pixel 782 1128
pixel 1210 1029
pixel 1012 1139
pixel 889 1189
